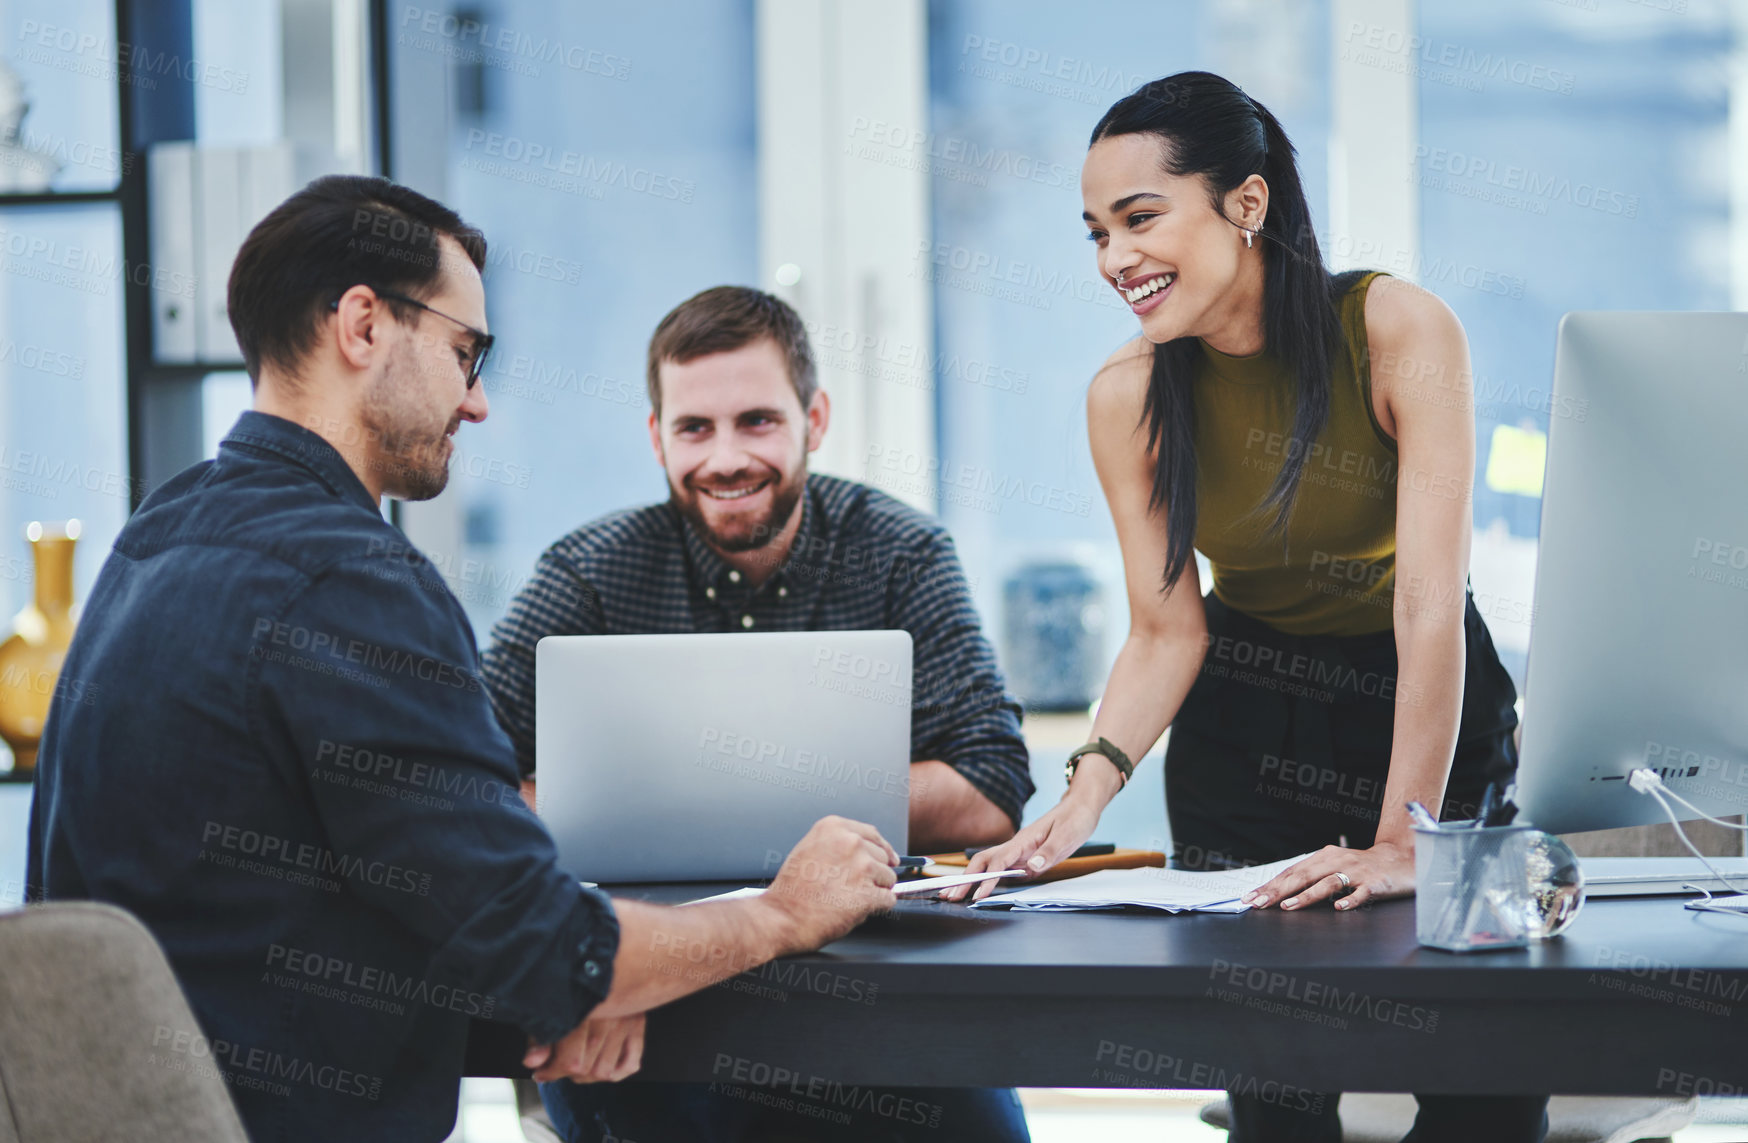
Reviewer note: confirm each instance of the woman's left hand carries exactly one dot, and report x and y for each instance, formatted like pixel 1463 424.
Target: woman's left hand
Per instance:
pixel 1385 870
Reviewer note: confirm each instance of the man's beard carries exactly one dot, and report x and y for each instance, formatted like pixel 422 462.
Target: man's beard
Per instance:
pixel 785 496
pixel 414 461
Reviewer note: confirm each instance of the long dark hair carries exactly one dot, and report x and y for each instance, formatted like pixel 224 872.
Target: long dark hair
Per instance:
pixel 1208 127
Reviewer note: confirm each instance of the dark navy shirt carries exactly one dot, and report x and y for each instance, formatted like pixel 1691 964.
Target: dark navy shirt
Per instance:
pixel 294 777
pixel 860 561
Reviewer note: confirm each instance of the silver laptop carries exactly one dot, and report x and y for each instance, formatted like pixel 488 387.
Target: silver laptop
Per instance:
pixel 707 757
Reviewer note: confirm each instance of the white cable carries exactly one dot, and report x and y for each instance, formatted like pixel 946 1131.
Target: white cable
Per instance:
pixel 1697 810
pixel 1648 782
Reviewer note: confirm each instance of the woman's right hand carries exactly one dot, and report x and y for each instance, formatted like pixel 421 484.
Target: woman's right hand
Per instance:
pixel 1035 848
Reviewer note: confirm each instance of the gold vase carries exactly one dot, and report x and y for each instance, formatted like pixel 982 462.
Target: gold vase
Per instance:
pixel 31 658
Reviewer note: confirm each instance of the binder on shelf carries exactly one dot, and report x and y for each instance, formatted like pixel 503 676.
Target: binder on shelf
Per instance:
pixel 174 276
pixel 269 178
pixel 219 203
pixel 204 202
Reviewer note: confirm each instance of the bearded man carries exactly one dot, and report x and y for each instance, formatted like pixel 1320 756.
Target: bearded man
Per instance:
pixel 749 541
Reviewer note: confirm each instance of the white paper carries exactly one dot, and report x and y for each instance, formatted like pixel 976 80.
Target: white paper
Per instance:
pixel 1169 890
pixel 731 895
pixel 902 889
pixel 930 884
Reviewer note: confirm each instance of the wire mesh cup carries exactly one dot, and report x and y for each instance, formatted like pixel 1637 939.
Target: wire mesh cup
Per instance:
pixel 1494 888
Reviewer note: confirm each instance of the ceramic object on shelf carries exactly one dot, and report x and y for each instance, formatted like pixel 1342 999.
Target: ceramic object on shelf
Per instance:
pixel 32 654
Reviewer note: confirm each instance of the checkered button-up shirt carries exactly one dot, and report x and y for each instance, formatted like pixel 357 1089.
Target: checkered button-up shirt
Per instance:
pixel 860 561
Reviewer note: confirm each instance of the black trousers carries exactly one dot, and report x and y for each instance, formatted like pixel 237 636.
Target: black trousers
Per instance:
pixel 1282 747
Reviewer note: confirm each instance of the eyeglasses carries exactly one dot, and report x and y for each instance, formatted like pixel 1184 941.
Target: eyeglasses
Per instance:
pixel 482 341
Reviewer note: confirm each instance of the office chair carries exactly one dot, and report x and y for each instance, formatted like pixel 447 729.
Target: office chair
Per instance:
pixel 90 1017
pixel 1368 1118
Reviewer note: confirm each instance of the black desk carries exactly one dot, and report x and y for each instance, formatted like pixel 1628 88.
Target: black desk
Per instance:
pixel 1641 996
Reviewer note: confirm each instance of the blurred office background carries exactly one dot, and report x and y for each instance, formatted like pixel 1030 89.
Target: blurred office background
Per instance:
pixel 905 172
pixel 907 175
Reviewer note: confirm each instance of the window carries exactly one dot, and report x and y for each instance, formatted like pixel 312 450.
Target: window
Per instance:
pixel 1022 317
pixel 63 445
pixel 1572 156
pixel 608 154
pixel 62 398
pixel 58 91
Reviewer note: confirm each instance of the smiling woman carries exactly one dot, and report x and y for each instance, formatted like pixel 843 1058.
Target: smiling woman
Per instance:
pixel 1256 419
pixel 1228 168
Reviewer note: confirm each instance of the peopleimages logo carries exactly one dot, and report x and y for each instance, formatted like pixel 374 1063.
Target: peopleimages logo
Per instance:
pixel 368 986
pixel 1046 72
pixel 1533 184
pixel 1270 990
pixel 56 685
pixel 243 1065
pixel 271 851
pixel 997 276
pixel 538 163
pixel 85 53
pixel 271 640
pixel 34 357
pixel 774 1081
pixel 718 749
pixel 1128 1065
pixel 1391 48
pixel 471 40
pixel 898 469
pixel 45 475
pixel 99 157
pixel 83 268
pixel 890 359
pixel 969 154
pixel 381 772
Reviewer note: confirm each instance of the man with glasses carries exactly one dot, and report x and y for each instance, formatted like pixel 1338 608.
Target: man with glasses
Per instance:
pixel 471 359
pixel 295 778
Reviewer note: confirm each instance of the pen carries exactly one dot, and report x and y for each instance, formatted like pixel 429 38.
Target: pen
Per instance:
pixel 1090 849
pixel 1455 924
pixel 1421 817
pixel 1505 810
pixel 910 868
pixel 1489 801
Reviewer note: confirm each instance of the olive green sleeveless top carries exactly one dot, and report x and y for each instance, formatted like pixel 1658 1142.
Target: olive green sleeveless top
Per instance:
pixel 1339 572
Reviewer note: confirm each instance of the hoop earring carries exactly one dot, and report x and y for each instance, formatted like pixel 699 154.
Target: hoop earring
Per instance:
pixel 1247 235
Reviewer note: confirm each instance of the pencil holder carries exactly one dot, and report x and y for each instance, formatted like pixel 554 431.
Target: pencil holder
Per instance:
pixel 1492 888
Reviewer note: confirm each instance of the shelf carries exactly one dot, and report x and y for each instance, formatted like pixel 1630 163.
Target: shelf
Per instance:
pixel 59 198
pixel 176 369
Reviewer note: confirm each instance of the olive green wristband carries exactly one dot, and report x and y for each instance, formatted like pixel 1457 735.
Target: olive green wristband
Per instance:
pixel 1109 749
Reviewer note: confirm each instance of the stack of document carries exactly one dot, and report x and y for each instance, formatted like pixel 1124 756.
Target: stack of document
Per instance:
pixel 1168 890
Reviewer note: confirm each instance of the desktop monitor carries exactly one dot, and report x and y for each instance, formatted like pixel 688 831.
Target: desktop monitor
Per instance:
pixel 1639 645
